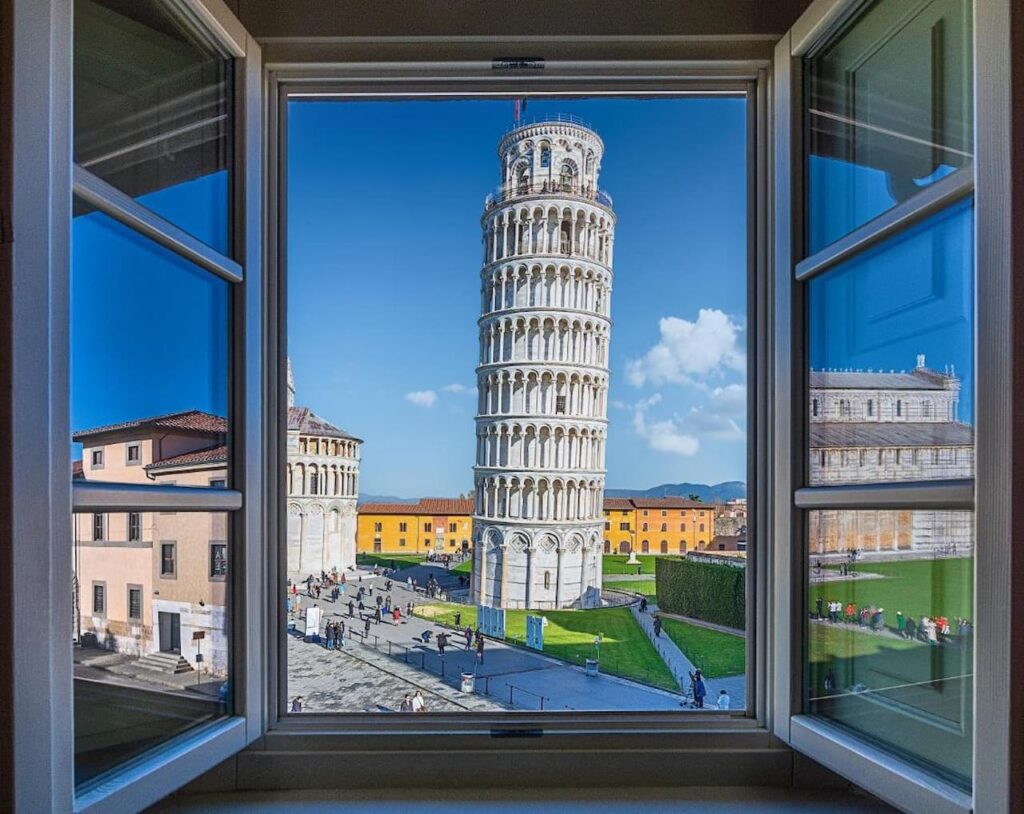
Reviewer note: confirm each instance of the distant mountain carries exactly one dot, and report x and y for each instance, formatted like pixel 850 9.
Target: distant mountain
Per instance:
pixel 363 498
pixel 729 490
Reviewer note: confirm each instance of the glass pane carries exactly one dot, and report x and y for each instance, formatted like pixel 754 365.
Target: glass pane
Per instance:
pixel 888 112
pixel 890 632
pixel 467 482
pixel 891 352
pixel 151 632
pixel 153 112
pixel 148 405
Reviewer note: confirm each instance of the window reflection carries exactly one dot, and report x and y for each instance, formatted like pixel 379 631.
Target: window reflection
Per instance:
pixel 151 112
pixel 891 353
pixel 891 609
pixel 889 112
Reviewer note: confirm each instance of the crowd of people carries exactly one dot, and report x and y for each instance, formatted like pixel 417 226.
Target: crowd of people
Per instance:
pixel 930 629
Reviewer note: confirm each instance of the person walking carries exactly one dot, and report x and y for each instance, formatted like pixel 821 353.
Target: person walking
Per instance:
pixel 329 636
pixel 458 618
pixel 442 641
pixel 479 648
pixel 340 641
pixel 297 704
pixel 418 704
pixel 699 690
pixel 351 608
pixel 366 629
pixel 377 616
pixel 468 633
pixel 657 627
pixel 723 699
pixel 817 608
pixel 406 704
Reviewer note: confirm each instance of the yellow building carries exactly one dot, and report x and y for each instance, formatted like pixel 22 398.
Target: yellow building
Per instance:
pixel 442 525
pixel 657 525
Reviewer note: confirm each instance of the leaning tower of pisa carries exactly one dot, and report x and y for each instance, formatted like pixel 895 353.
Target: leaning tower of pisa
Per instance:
pixel 541 425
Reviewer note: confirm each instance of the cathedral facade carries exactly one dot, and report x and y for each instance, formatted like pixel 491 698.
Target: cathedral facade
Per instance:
pixel 323 489
pixel 542 377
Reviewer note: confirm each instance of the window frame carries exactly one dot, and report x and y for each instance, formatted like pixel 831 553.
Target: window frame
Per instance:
pixel 988 494
pixel 102 585
pixel 137 516
pixel 42 496
pixel 166 545
pixel 341 77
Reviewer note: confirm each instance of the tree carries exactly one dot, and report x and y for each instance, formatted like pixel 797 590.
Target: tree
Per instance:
pixel 694 497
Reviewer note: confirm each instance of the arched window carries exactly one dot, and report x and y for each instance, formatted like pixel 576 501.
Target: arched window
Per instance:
pixel 645 546
pixel 523 181
pixel 682 546
pixel 314 482
pixel 664 526
pixel 589 166
pixel 701 527
pixel 664 546
pixel 567 175
pixel 545 156
pixel 682 526
pixel 644 528
pixel 607 546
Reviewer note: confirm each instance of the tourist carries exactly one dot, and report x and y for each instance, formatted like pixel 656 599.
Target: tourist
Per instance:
pixel 468 633
pixel 911 628
pixel 817 607
pixel 297 704
pixel 901 625
pixel 341 634
pixel 417 702
pixel 406 704
pixel 408 609
pixel 479 648
pixel 351 608
pixel 458 618
pixel 366 629
pixel 723 699
pixel 377 616
pixel 657 627
pixel 329 636
pixel 396 615
pixel 850 611
pixel 699 690
pixel 442 641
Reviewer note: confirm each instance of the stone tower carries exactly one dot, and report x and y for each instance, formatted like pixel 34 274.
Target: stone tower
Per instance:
pixel 542 381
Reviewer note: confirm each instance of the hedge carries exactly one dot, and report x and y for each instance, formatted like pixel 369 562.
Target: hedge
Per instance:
pixel 714 593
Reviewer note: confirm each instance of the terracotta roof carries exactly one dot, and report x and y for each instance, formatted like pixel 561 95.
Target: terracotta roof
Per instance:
pixel 920 379
pixel 194 421
pixel 618 504
pixel 207 455
pixel 306 422
pixel 425 506
pixel 446 505
pixel 668 503
pixel 828 434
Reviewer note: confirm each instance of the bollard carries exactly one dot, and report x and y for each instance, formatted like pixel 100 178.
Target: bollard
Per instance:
pixel 510 688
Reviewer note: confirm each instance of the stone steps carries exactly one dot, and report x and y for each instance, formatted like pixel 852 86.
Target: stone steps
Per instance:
pixel 168 663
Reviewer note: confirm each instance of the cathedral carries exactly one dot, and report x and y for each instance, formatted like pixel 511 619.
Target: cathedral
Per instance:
pixel 323 488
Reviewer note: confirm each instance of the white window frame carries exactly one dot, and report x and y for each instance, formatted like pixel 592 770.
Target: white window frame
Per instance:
pixel 42 495
pixel 739 68
pixel 988 495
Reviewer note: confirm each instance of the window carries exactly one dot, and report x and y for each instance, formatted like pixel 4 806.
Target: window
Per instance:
pixel 607 525
pixel 218 560
pixel 545 156
pixel 623 526
pixel 890 123
pixel 644 527
pixel 377 527
pixel 682 526
pixel 547 580
pixel 453 527
pixel 426 527
pixel 134 527
pixel 645 547
pixel 701 527
pixel 403 527
pixel 664 513
pixel 814 407
pixel 98 527
pixel 99 599
pixel 401 542
pixel 664 526
pixel 168 559
pixel 96 459
pixel 218 483
pixel 664 546
pixel 314 483
pixel 559 404
pixel 133 454
pixel 134 604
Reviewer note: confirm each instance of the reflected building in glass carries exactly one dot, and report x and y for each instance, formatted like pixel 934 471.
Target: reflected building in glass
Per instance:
pixel 872 426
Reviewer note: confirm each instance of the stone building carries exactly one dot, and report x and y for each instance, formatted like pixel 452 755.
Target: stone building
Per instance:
pixel 878 426
pixel 542 381
pixel 323 488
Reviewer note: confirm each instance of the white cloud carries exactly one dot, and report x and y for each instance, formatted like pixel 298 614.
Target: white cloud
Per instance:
pixel 422 398
pixel 689 350
pixel 665 436
pixel 457 388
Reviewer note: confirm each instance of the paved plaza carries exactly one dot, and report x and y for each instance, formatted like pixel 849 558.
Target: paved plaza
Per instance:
pixel 374 672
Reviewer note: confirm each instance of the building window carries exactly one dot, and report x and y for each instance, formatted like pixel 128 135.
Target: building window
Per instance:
pixel 314 483
pixel 814 407
pixel 168 559
pixel 403 527
pixel 135 604
pixel 377 527
pixel 664 546
pixel 871 407
pixel 607 525
pixel 701 527
pixel 682 526
pixel 134 527
pixel 545 157
pixel 98 527
pixel 99 599
pixel 426 526
pixel 547 580
pixel 401 542
pixel 664 513
pixel 559 404
pixel 682 546
pixel 645 547
pixel 664 526
pixel 133 454
pixel 218 560
pixel 218 483
pixel 644 527
pixel 453 527
pixel 96 459
pixel 899 408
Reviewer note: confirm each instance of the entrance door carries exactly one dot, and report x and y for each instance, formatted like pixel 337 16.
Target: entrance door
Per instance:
pixel 170 632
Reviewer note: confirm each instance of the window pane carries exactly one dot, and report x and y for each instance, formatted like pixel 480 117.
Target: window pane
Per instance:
pixel 891 610
pixel 152 112
pixel 888 112
pixel 891 351
pixel 151 653
pixel 489 436
pixel 149 345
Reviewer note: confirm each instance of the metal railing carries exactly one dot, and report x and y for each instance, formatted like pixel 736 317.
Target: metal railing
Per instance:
pixel 508 192
pixel 554 118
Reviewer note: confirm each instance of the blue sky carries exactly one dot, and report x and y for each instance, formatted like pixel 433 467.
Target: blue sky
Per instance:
pixel 384 259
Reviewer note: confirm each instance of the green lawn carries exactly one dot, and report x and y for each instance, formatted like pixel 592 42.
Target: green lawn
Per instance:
pixel 916 587
pixel 625 650
pixel 647 587
pixel 398 561
pixel 464 567
pixel 716 654
pixel 616 564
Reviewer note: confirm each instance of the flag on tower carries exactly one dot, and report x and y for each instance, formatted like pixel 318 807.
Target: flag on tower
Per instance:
pixel 520 108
